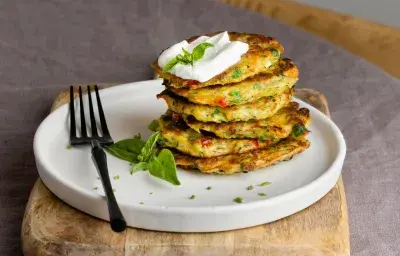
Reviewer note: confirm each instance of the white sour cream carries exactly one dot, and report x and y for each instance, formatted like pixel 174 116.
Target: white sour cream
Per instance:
pixel 216 59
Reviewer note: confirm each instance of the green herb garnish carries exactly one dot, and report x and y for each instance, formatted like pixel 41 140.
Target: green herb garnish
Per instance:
pixel 128 149
pixel 257 86
pixel 95 188
pixel 188 58
pixel 116 177
pixel 263 138
pixel 262 194
pixel 68 147
pixel 209 188
pixel 237 73
pixel 151 193
pixel 234 93
pixel 153 126
pixel 238 200
pixel 298 130
pixel 251 187
pixel 264 184
pixel 141 203
pixel 215 112
pixel 274 52
pixel 192 197
pixel 114 190
pixel 193 134
pixel 144 156
pixel 237 98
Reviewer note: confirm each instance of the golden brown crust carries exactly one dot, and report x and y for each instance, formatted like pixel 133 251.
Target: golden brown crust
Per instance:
pixel 195 144
pixel 259 109
pixel 275 80
pixel 249 161
pixel 262 50
pixel 278 126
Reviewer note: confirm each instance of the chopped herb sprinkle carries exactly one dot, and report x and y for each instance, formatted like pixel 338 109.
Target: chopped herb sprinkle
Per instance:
pixel 251 187
pixel 274 52
pixel 209 188
pixel 116 177
pixel 114 190
pixel 151 193
pixel 192 197
pixel 238 200
pixel 141 203
pixel 264 184
pixel 68 147
pixel 237 73
pixel 95 188
pixel 257 86
pixel 262 194
pixel 298 130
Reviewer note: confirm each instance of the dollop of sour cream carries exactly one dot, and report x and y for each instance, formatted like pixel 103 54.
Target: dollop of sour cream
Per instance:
pixel 216 59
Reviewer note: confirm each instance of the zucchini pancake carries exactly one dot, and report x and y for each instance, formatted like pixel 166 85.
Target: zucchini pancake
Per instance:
pixel 276 80
pixel 263 51
pixel 259 109
pixel 288 120
pixel 176 134
pixel 229 98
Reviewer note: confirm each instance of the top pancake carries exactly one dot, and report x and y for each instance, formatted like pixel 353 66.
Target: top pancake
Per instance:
pixel 263 52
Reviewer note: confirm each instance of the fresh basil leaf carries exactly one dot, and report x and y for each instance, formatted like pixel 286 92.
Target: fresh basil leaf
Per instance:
pixel 122 154
pixel 188 56
pixel 128 149
pixel 171 64
pixel 183 60
pixel 199 50
pixel 153 126
pixel 147 150
pixel 163 167
pixel 143 166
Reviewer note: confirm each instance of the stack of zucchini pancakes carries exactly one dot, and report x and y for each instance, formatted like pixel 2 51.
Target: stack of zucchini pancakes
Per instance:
pixel 240 120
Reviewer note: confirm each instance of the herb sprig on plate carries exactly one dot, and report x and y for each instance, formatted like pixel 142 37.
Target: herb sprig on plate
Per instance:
pixel 145 156
pixel 186 58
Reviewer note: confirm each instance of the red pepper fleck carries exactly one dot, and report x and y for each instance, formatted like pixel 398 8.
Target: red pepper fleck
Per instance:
pixel 222 102
pixel 256 143
pixel 206 142
pixel 192 82
pixel 176 117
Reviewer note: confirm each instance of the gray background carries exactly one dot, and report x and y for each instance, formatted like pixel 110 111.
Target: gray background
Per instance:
pixel 47 45
pixel 382 11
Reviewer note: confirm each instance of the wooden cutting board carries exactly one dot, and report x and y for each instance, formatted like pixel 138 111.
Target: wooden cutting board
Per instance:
pixel 51 227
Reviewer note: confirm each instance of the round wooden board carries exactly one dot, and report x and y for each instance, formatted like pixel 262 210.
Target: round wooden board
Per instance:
pixel 51 227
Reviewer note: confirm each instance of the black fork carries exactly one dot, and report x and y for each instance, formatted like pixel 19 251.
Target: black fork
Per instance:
pixel 99 157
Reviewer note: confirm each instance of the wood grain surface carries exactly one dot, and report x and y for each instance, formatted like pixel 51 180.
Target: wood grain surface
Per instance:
pixel 51 227
pixel 377 43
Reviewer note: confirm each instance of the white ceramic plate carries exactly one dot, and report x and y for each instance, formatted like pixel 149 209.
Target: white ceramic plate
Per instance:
pixel 129 108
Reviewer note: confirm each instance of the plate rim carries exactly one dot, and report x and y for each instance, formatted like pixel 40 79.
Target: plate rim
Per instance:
pixel 339 159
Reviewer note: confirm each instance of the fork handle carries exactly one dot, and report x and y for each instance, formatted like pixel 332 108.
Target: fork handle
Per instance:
pixel 99 158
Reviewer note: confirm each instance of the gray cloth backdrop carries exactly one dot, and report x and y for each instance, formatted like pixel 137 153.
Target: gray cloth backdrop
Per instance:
pixel 47 45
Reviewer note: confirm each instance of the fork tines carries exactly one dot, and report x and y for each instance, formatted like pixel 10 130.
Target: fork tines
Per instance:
pixel 105 139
